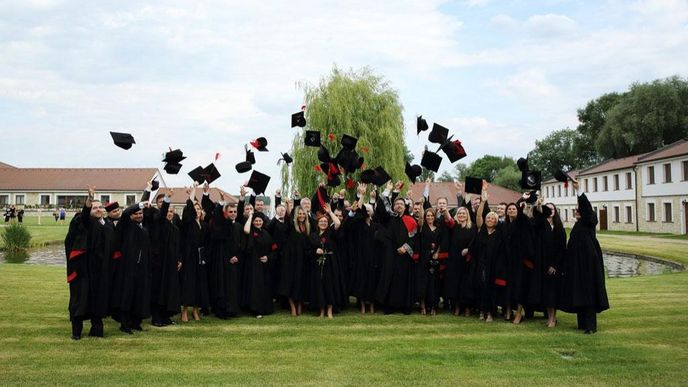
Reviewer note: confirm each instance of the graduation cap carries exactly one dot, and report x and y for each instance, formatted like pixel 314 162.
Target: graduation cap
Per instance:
pixel 533 197
pixel 172 168
pixel 367 176
pixel 413 171
pixel 312 138
pixel 243 167
pixel 211 173
pixel 333 180
pixel 531 180
pixel 563 177
pixel 431 160
pixel 381 176
pixel 474 185
pixel 454 150
pixel 258 182
pixel 349 142
pixel 522 164
pixel 438 134
pixel 260 143
pixel 421 125
pixel 111 206
pixel 250 156
pixel 324 155
pixel 174 156
pixel 197 175
pixel 286 158
pixel 298 119
pixel 321 199
pixel 122 140
pixel 155 185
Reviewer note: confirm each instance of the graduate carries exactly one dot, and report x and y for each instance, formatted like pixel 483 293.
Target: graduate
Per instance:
pixel 457 285
pixel 294 274
pixel 326 291
pixel 258 250
pixel 583 289
pixel 193 275
pixel 89 246
pixel 552 240
pixel 279 228
pixel 428 265
pixel 520 260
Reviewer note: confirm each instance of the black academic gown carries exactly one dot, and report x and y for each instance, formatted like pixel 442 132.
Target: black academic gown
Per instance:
pixel 88 247
pixel 226 238
pixel 395 289
pixel 165 255
pixel 257 297
pixel 456 286
pixel 194 276
pixel 427 267
pixel 520 262
pixel 325 277
pixel 132 288
pixel 280 231
pixel 489 252
pixel 583 282
pixel 294 272
pixel 553 247
pixel 365 258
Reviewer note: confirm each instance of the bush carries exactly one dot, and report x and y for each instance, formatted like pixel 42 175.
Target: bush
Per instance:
pixel 16 237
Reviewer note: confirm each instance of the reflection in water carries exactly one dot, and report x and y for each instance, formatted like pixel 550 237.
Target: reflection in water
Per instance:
pixel 47 255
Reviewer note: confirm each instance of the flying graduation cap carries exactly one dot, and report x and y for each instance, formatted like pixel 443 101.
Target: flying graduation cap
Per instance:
pixel 155 185
pixel 324 155
pixel 298 119
pixel 260 143
pixel 286 158
pixel 380 177
pixel 421 125
pixel 312 138
pixel 413 171
pixel 172 160
pixel 431 160
pixel 209 174
pixel 473 185
pixel 563 177
pixel 123 140
pixel 258 182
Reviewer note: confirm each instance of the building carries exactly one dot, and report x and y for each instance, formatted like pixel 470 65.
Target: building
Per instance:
pixel 562 196
pixel 67 187
pixel 497 194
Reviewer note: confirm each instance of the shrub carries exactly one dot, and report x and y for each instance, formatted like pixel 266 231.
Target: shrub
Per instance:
pixel 15 237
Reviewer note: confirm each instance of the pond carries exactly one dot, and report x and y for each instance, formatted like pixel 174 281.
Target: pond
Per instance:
pixel 617 264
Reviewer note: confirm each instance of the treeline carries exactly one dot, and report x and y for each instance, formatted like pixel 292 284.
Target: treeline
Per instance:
pixel 646 117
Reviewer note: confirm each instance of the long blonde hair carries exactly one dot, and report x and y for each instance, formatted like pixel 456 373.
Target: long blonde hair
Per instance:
pixel 307 224
pixel 469 223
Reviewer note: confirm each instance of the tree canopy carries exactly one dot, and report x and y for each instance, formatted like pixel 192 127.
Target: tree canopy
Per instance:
pixel 565 148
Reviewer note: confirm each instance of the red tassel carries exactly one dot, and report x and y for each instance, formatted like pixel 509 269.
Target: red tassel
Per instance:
pixel 255 144
pixel 566 184
pixel 303 107
pixel 75 253
pixel 416 257
pixel 321 200
pixel 217 156
pixel 71 277
pixel 500 282
pixel 469 257
pixel 443 255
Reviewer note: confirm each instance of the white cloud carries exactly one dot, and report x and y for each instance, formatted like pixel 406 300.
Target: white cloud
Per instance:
pixel 550 25
pixel 503 21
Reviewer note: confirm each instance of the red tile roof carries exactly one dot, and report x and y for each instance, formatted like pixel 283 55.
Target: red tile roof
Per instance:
pixel 75 179
pixel 179 195
pixel 611 165
pixel 573 174
pixel 5 165
pixel 497 194
pixel 678 148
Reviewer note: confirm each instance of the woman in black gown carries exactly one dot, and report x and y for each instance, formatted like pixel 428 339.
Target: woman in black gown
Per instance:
pixel 427 269
pixel 194 276
pixel 552 238
pixel 365 259
pixel 258 251
pixel 294 276
pixel 460 264
pixel 326 291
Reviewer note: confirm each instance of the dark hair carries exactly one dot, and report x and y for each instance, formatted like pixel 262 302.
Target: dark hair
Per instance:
pixel 506 218
pixel 502 204
pixel 556 219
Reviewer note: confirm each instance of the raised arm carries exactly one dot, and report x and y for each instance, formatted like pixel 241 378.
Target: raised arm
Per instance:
pixel 479 215
pixel 247 225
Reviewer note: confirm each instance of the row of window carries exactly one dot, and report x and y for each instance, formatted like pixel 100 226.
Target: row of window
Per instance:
pixel 668 214
pixel 616 213
pixel 556 191
pixel 72 201
pixel 667 172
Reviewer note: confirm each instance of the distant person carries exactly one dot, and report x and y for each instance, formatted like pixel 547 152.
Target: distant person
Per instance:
pixel 56 215
pixel 20 215
pixel 7 214
pixel 63 215
pixel 13 214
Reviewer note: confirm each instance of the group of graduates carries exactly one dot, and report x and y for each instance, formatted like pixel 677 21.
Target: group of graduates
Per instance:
pixel 382 248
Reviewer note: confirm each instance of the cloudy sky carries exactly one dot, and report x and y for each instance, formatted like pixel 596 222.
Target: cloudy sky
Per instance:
pixel 209 76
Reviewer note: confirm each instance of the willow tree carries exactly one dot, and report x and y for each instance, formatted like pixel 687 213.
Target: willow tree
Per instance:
pixel 357 103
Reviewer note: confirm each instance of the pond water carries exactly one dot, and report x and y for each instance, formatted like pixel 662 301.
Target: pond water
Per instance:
pixel 617 265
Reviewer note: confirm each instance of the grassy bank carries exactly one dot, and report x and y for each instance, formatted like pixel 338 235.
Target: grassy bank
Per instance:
pixel 643 340
pixel 45 233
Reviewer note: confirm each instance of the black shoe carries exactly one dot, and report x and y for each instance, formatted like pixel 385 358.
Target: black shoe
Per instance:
pixel 126 330
pixel 76 337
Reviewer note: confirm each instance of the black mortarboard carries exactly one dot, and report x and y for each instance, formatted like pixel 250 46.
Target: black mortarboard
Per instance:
pixel 381 176
pixel 562 176
pixel 211 173
pixel 243 167
pixel 250 156
pixel 111 206
pixel 421 125
pixel 123 140
pixel 438 134
pixel 522 164
pixel 533 197
pixel 172 168
pixel 321 199
pixel 413 171
pixel 260 143
pixel 324 155
pixel 258 182
pixel 473 185
pixel 197 175
pixel 155 185
pixel 531 180
pixel 174 156
pixel 287 159
pixel 298 119
pixel 333 180
pixel 312 138
pixel 454 150
pixel 431 160
pixel 367 176
pixel 349 142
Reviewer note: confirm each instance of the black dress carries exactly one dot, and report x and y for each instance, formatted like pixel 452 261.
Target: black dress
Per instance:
pixel 165 287
pixel 553 247
pixel 489 251
pixel 520 262
pixel 325 276
pixel 583 283
pixel 428 268
pixel 365 257
pixel 457 284
pixel 257 296
pixel 279 230
pixel 294 274
pixel 194 276
pixel 396 287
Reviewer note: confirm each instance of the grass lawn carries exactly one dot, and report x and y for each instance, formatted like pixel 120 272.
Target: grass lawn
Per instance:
pixel 48 232
pixel 643 340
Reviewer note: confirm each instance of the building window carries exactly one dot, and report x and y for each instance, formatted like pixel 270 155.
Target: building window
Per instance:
pixel 684 164
pixel 587 189
pixel 130 199
pixel 559 191
pixel 104 199
pixel 616 182
pixel 667 173
pixel 629 214
pixel 546 192
pixel 667 213
pixel 650 175
pixel 20 199
pixel 566 215
pixel 594 184
pixel 45 200
pixel 629 181
pixel 71 201
pixel 650 212
pixel 617 214
pixel 605 183
pixel 566 191
pixel 4 199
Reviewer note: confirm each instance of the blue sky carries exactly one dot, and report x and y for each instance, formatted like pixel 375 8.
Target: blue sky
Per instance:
pixel 209 76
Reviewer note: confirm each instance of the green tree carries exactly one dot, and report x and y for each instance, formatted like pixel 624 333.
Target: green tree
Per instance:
pixel 565 148
pixel 359 104
pixel 648 116
pixel 594 115
pixel 508 177
pixel 488 166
